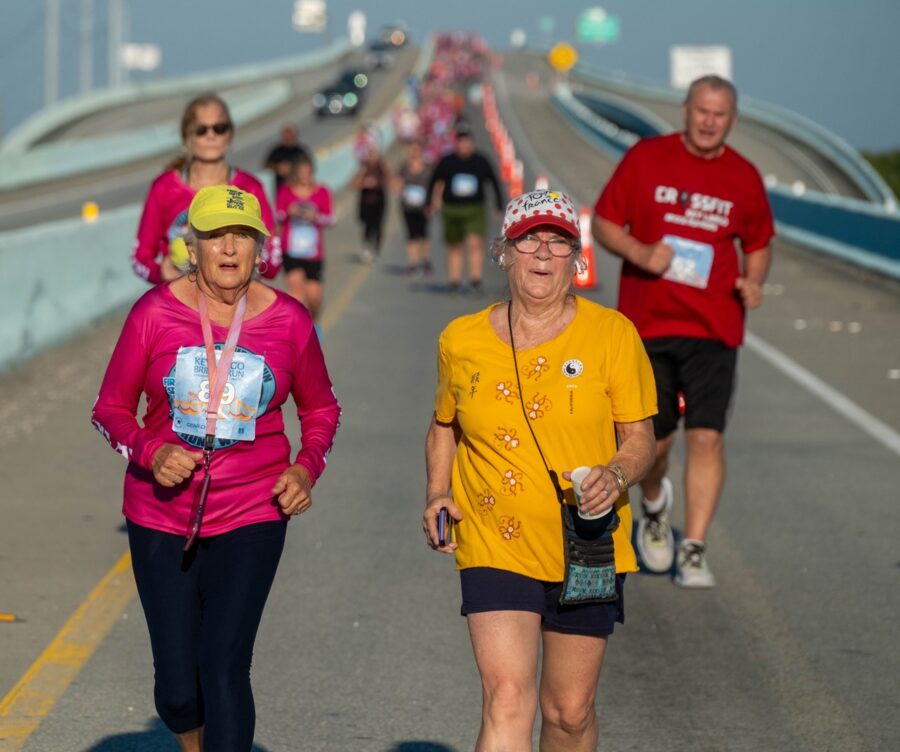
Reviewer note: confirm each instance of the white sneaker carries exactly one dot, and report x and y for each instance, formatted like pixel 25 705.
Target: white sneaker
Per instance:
pixel 367 256
pixel 691 569
pixel 655 542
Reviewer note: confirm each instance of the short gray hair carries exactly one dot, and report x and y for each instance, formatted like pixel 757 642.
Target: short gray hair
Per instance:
pixel 714 82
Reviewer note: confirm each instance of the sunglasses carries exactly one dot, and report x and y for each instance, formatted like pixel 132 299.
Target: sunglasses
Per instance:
pixel 220 129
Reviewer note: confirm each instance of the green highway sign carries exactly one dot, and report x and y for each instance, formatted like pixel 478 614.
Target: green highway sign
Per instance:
pixel 596 26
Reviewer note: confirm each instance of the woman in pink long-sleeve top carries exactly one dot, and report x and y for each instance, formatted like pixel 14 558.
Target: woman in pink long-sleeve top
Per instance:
pixel 206 132
pixel 210 483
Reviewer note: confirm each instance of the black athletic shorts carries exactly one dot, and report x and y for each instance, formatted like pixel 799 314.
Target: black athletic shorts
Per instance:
pixel 702 370
pixel 312 269
pixel 488 589
pixel 416 224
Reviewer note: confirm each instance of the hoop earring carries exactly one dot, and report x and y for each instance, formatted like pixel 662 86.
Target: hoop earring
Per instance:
pixel 580 266
pixel 262 266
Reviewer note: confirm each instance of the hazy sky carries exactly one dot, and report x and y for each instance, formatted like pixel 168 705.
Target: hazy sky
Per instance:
pixel 833 61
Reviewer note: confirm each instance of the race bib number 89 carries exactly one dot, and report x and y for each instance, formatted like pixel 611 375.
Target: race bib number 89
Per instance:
pixel 240 400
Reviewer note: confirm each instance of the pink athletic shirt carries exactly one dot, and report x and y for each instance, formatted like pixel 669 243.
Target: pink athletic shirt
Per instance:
pixel 243 472
pixel 321 199
pixel 165 218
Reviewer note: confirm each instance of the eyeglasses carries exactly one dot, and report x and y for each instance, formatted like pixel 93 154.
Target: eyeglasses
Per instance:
pixel 557 246
pixel 220 129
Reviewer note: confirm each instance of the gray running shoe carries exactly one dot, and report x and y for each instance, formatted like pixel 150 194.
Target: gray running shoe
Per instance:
pixel 691 569
pixel 655 542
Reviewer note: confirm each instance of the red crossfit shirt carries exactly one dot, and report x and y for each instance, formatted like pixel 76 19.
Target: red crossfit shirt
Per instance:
pixel 660 189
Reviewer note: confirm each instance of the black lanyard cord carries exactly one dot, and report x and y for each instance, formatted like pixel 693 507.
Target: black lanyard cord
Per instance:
pixel 554 479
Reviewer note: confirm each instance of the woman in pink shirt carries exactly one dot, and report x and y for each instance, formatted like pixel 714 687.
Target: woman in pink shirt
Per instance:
pixel 210 484
pixel 206 131
pixel 303 211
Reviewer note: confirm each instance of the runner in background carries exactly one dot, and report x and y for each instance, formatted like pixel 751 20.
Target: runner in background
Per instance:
pixel 457 191
pixel 285 153
pixel 372 180
pixel 412 185
pixel 207 131
pixel 676 209
pixel 303 210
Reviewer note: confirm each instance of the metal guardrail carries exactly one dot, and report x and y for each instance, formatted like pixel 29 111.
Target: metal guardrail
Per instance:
pixel 865 234
pixel 790 123
pixel 66 158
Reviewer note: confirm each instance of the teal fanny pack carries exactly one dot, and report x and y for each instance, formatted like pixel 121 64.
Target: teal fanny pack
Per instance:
pixel 590 558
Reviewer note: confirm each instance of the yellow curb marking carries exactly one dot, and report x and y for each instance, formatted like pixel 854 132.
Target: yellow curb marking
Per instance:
pixel 35 694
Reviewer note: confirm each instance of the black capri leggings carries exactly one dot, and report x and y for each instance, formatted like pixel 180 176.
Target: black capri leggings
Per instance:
pixel 371 214
pixel 203 610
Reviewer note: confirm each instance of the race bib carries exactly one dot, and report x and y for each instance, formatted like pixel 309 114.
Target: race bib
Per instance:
pixel 464 185
pixel 691 263
pixel 414 195
pixel 303 240
pixel 240 400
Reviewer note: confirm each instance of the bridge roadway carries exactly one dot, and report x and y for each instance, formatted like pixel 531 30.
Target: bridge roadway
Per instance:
pixel 361 647
pixel 128 184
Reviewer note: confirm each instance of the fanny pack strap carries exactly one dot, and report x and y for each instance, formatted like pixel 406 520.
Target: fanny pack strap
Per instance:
pixel 554 478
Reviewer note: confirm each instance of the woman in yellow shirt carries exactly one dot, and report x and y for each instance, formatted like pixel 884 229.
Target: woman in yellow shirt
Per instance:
pixel 530 388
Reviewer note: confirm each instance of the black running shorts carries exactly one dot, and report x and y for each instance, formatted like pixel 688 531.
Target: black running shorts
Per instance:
pixel 703 370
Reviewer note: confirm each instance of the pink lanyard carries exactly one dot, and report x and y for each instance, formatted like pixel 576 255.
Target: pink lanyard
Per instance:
pixel 218 378
pixel 218 373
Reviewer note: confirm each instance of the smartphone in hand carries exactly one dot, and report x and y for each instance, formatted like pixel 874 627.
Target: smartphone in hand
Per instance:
pixel 445 527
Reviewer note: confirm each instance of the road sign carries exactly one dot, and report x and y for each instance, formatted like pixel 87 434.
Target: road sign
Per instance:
pixel 596 26
pixel 562 57
pixel 142 57
pixel 356 28
pixel 689 63
pixel 310 15
pixel 518 38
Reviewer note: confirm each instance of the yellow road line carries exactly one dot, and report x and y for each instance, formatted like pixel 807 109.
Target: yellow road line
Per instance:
pixel 35 694
pixel 344 298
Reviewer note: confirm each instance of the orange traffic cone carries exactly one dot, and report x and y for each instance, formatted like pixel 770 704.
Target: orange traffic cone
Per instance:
pixel 517 181
pixel 586 278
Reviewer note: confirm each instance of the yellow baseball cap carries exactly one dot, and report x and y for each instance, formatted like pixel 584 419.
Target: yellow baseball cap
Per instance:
pixel 218 206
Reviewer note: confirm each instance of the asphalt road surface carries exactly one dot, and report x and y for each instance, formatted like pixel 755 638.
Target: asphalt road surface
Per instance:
pixel 362 647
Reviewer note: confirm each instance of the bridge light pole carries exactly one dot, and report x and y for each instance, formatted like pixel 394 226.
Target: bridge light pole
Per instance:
pixel 51 53
pixel 86 63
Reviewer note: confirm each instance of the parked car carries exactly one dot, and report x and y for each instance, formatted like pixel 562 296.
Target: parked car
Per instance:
pixel 343 97
pixel 380 55
pixel 395 34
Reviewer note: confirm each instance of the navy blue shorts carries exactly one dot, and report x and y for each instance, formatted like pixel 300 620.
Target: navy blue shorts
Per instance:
pixel 488 589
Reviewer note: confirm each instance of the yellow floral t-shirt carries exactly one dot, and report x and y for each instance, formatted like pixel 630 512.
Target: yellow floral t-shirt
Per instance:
pixel 575 387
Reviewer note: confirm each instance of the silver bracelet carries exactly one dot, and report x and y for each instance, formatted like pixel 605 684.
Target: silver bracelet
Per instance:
pixel 621 478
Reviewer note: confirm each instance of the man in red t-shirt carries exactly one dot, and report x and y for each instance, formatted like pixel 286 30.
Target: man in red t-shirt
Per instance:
pixel 679 210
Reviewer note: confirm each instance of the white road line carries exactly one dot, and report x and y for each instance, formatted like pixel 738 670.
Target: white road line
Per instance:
pixel 877 429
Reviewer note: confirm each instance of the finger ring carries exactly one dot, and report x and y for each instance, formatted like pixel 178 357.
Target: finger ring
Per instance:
pixel 605 491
